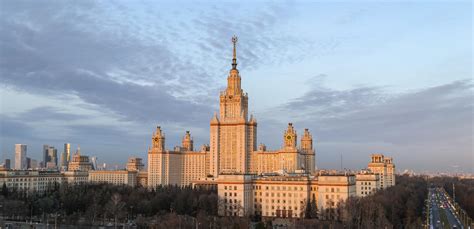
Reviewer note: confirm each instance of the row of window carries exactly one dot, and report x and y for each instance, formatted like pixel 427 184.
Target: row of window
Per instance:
pixel 278 194
pixel 33 179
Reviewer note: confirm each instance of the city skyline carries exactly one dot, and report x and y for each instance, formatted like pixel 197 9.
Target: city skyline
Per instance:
pixel 331 79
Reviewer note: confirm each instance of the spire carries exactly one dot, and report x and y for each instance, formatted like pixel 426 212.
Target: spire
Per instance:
pixel 234 59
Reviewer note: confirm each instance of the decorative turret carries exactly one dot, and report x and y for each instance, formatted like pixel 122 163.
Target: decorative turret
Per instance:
pixel 158 140
pixel 289 137
pixel 187 143
pixel 252 119
pixel 307 141
pixel 214 119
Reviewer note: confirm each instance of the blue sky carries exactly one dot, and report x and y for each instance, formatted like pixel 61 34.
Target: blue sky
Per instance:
pixel 365 77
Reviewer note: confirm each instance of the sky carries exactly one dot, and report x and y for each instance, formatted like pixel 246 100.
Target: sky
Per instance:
pixel 364 76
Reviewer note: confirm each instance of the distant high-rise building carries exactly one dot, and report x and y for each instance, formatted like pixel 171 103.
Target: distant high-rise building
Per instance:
pixel 63 160
pixel 52 156
pixel 7 164
pixel 45 155
pixel 20 156
pixel 94 162
pixel 28 163
pixel 67 150
pixel 33 164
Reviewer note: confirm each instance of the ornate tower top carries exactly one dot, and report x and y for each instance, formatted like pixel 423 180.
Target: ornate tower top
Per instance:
pixel 158 139
pixel 187 143
pixel 289 136
pixel 307 140
pixel 234 59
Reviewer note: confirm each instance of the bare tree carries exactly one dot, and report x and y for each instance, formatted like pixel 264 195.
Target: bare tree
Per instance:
pixel 115 207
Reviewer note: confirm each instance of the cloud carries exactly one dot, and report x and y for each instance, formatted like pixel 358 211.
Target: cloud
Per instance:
pixel 109 56
pixel 433 122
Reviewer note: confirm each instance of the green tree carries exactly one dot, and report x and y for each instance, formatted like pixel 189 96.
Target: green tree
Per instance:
pixel 4 190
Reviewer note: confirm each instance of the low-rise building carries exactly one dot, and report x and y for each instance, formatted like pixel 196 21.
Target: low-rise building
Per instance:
pixel 367 183
pixel 27 180
pixel 76 177
pixel 117 177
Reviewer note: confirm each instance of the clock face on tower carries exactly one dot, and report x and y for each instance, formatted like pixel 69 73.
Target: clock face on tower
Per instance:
pixel 288 137
pixel 156 139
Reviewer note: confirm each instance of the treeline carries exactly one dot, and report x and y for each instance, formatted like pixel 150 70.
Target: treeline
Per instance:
pixel 464 189
pixel 97 204
pixel 399 206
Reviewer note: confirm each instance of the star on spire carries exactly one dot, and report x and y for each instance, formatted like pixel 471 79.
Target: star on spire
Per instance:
pixel 234 59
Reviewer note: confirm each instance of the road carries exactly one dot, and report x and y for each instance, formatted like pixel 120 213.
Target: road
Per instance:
pixel 442 213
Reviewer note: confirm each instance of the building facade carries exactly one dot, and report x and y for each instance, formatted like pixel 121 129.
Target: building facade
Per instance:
pixel 31 181
pixel 232 148
pixel 367 183
pixel 252 180
pixel 117 177
pixel 281 195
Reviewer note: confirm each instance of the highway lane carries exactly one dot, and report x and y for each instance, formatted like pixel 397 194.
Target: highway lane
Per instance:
pixel 442 214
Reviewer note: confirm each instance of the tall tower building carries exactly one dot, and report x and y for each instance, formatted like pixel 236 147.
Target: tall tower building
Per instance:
pixel 156 160
pixel 232 135
pixel 232 149
pixel 20 156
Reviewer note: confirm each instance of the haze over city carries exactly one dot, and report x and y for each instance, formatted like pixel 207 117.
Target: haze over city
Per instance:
pixel 363 79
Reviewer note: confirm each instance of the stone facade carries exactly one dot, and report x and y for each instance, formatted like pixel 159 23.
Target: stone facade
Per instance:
pixel 281 195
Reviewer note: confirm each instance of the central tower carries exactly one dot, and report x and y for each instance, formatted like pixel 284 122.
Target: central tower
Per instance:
pixel 233 135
